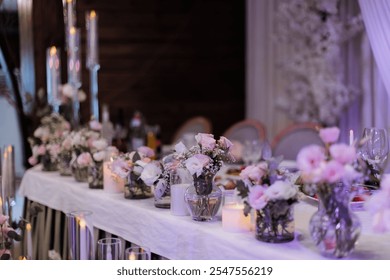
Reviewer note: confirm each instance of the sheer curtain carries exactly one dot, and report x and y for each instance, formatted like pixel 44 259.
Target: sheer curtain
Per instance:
pixel 265 83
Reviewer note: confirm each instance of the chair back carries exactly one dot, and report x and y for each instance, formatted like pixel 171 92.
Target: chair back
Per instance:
pixel 244 130
pixel 293 138
pixel 192 127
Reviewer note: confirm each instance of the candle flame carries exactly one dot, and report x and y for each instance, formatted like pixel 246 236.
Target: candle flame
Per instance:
pixel 53 51
pixel 92 14
pixel 82 223
pixel 22 258
pixel 69 1
pixel 132 256
pixel 72 30
pixel 9 149
pixel 28 227
pixel 1 202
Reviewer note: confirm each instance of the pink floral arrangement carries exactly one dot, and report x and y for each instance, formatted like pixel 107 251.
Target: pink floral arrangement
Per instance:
pixel 263 184
pixel 379 206
pixel 331 163
pixel 47 138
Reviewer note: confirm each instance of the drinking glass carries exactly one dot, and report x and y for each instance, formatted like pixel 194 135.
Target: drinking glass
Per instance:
pixel 252 151
pixel 375 147
pixel 109 249
pixel 135 252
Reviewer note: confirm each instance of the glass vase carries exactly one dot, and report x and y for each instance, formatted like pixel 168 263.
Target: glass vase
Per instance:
pixel 95 176
pixel 135 188
pixel 334 228
pixel 162 196
pixel 79 173
pixel 64 163
pixel 203 198
pixel 49 163
pixel 275 222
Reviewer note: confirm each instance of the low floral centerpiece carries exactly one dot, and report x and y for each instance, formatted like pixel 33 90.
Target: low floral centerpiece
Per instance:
pixel 130 166
pixel 203 161
pixel 330 173
pixel 268 191
pixel 46 141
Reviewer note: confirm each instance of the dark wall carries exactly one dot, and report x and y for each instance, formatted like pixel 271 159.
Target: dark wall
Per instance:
pixel 170 59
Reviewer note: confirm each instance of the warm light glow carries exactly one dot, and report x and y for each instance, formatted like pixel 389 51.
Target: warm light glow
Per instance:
pixel 53 51
pixel 1 202
pixel 10 149
pixel 132 256
pixel 69 1
pixel 92 14
pixel 82 223
pixel 22 258
pixel 28 227
pixel 72 30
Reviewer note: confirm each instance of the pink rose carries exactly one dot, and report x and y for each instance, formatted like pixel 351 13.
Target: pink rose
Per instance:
pixel 32 160
pixel 206 141
pixel 257 198
pixel 196 163
pixel 225 143
pixel 84 159
pixel 145 151
pixel 67 143
pixel 253 173
pixel 333 171
pixel 310 158
pixel 95 125
pixel 330 134
pixel 54 149
pixel 41 150
pixel 343 153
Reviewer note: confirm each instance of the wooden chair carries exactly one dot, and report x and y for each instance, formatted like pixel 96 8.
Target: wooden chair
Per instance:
pixel 293 138
pixel 198 124
pixel 248 129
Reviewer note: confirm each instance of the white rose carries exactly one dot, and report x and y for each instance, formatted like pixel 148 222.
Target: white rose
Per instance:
pixel 196 163
pixel 100 144
pixel 99 156
pixel 181 148
pixel 280 190
pixel 150 173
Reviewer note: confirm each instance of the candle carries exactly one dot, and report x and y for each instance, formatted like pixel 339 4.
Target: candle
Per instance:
pixel 233 218
pixel 83 239
pixel 351 137
pixel 92 40
pixel 29 241
pixel 111 182
pixel 178 204
pixel 70 6
pixel 132 256
pixel 72 38
pixel 53 76
pixel 1 206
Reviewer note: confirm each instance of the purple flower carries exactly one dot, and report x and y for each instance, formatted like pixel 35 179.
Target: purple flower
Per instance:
pixel 310 158
pixel 225 143
pixel 145 152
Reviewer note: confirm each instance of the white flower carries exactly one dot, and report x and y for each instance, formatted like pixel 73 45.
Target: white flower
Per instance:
pixel 196 163
pixel 160 188
pixel 206 141
pixel 67 90
pixel 280 190
pixel 99 156
pixel 181 148
pixel 100 144
pixel 150 173
pixel 121 168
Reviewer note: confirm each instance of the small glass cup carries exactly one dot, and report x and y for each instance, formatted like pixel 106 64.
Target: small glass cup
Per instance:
pixel 109 249
pixel 135 252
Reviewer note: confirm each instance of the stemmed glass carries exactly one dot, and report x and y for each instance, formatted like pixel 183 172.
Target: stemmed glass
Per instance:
pixel 375 147
pixel 252 151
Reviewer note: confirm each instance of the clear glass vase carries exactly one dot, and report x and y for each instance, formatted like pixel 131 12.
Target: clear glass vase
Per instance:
pixel 275 222
pixel 203 198
pixel 49 163
pixel 79 173
pixel 95 176
pixel 162 196
pixel 334 228
pixel 135 188
pixel 64 163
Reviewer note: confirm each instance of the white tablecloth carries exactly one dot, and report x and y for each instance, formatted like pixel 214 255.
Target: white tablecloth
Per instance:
pixel 173 237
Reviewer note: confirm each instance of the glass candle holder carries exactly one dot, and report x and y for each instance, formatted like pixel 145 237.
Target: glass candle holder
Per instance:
pixel 109 249
pixel 135 252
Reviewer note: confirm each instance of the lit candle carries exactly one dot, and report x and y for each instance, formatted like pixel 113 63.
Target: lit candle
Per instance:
pixel 351 137
pixel 53 76
pixel 1 206
pixel 233 218
pixel 111 182
pixel 70 9
pixel 178 204
pixel 29 241
pixel 132 256
pixel 5 176
pixel 72 38
pixel 92 44
pixel 83 239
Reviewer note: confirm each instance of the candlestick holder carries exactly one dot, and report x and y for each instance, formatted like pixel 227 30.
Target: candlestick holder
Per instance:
pixel 53 77
pixel 80 235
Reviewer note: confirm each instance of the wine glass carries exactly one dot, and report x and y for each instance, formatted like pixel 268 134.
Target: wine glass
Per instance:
pixel 375 147
pixel 252 151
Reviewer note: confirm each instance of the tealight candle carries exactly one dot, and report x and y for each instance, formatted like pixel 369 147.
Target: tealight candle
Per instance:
pixel 29 241
pixel 233 218
pixel 111 184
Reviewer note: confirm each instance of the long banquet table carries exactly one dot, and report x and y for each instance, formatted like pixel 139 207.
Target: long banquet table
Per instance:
pixel 181 238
